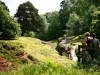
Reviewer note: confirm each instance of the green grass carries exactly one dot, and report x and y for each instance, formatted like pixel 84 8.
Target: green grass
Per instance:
pixel 9 50
pixel 52 69
pixel 51 63
pixel 33 47
pixel 41 51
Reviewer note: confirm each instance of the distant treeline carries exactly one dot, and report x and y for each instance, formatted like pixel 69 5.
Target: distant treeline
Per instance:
pixel 75 17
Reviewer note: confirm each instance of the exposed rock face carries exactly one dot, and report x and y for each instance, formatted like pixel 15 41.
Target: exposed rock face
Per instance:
pixel 64 49
pixel 73 54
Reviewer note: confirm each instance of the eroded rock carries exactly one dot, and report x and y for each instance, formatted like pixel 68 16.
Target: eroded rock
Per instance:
pixel 64 49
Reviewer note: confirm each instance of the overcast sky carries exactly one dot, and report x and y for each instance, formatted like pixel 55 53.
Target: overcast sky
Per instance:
pixel 42 5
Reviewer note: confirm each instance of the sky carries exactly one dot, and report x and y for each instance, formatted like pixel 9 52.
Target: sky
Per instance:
pixel 43 6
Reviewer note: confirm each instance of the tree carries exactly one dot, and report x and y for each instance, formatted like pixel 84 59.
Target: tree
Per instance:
pixel 54 25
pixel 84 9
pixel 87 19
pixel 95 27
pixel 9 27
pixel 95 2
pixel 64 14
pixel 27 15
pixel 43 34
pixel 74 25
pixel 3 5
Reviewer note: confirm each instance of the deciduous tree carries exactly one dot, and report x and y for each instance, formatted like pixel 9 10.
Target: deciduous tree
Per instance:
pixel 64 14
pixel 9 28
pixel 53 31
pixel 27 15
pixel 95 27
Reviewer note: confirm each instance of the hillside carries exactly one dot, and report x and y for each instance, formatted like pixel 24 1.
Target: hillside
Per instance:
pixel 31 56
pixel 10 50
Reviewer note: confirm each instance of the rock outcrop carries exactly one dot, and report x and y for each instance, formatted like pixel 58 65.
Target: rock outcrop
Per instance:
pixel 64 49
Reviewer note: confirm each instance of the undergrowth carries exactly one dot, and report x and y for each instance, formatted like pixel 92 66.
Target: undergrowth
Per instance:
pixel 51 68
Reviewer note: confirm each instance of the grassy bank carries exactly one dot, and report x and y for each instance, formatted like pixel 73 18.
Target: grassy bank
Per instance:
pixel 35 48
pixel 11 50
pixel 51 63
pixel 52 69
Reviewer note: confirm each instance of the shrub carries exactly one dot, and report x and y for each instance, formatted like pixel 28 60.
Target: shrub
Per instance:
pixel 9 28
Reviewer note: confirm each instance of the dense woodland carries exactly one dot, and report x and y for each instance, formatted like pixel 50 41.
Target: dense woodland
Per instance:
pixel 75 17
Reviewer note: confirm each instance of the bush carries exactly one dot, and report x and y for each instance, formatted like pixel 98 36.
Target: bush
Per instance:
pixel 9 28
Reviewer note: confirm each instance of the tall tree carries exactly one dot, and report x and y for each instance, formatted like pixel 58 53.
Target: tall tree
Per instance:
pixel 84 9
pixel 43 34
pixel 87 19
pixel 3 5
pixel 27 15
pixel 95 27
pixel 95 2
pixel 9 28
pixel 74 25
pixel 53 31
pixel 64 15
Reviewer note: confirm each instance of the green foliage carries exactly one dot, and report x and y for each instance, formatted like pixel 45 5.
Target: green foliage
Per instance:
pixel 53 69
pixel 12 30
pixel 43 34
pixel 74 25
pixel 64 14
pixel 27 15
pixel 84 9
pixel 96 22
pixel 88 18
pixel 3 5
pixel 53 31
pixel 81 6
pixel 95 2
pixel 9 28
pixel 29 34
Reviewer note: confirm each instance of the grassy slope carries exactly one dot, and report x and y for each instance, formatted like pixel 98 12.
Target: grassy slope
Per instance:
pixel 40 51
pixel 44 53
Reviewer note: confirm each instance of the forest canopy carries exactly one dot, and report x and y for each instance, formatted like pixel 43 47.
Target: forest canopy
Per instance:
pixel 74 16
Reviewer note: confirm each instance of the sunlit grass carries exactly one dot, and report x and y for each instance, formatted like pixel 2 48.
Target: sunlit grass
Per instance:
pixel 52 63
pixel 40 51
pixel 51 68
